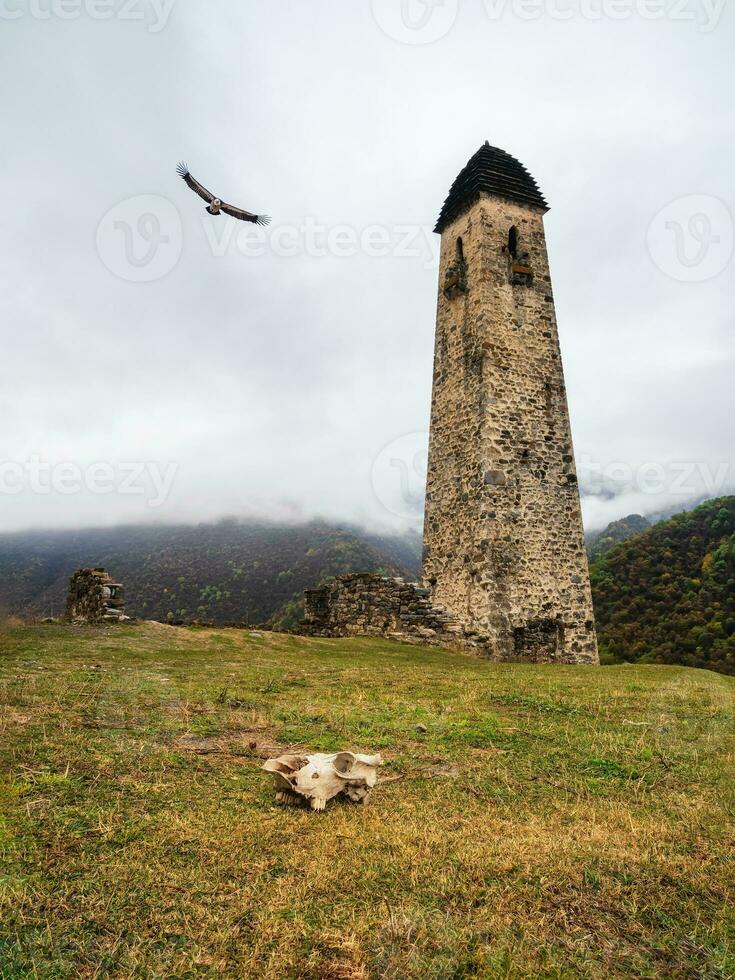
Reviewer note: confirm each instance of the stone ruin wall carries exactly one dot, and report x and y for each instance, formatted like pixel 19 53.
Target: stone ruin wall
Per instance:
pixel 373 605
pixel 367 604
pixel 95 597
pixel 503 540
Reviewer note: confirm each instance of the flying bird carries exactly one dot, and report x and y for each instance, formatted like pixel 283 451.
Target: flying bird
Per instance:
pixel 215 204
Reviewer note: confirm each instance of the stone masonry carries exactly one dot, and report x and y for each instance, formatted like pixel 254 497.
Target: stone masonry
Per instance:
pixel 503 540
pixel 95 597
pixel 373 605
pixel 504 569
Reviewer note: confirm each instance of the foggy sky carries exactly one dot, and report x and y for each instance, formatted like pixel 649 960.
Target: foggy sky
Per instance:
pixel 294 380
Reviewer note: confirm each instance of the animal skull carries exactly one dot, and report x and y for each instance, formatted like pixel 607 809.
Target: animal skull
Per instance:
pixel 314 779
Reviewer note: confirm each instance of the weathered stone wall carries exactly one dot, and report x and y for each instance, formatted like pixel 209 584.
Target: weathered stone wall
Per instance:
pixel 503 541
pixel 371 605
pixel 94 597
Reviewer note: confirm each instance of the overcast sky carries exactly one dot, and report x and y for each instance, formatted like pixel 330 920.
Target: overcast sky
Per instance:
pixel 159 364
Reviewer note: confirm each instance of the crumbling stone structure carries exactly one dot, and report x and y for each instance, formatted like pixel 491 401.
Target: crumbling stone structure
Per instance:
pixel 504 555
pixel 94 597
pixel 373 605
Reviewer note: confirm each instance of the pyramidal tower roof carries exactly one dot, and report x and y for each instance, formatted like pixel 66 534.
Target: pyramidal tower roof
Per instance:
pixel 495 172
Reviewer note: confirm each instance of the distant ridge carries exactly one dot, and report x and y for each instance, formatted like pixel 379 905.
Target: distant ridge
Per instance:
pixel 615 533
pixel 229 572
pixel 666 595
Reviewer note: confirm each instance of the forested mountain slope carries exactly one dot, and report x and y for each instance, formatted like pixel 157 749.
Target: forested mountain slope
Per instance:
pixel 668 595
pixel 251 573
pixel 615 533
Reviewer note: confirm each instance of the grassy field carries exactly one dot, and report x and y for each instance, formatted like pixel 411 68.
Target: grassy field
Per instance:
pixel 552 821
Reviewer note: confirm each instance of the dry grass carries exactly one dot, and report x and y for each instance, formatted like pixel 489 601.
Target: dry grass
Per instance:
pixel 9 623
pixel 551 822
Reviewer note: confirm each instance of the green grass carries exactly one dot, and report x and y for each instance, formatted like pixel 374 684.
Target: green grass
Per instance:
pixel 552 821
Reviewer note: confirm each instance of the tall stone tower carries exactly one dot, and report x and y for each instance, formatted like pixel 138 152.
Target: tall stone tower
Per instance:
pixel 504 546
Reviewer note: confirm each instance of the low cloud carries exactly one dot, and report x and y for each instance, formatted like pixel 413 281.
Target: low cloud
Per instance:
pixel 272 376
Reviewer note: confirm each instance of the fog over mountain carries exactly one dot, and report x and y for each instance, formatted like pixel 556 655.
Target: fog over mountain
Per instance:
pixel 162 365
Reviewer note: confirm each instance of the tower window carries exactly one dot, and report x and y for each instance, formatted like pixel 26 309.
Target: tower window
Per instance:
pixel 455 281
pixel 513 242
pixel 520 271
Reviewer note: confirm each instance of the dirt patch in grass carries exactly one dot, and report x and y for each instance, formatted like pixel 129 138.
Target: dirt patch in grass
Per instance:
pixel 439 770
pixel 11 717
pixel 9 623
pixel 252 743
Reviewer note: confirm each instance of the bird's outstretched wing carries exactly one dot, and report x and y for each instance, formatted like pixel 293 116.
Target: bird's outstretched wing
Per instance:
pixel 256 219
pixel 198 188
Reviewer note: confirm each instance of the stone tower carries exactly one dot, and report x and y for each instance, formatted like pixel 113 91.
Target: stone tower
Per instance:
pixel 504 549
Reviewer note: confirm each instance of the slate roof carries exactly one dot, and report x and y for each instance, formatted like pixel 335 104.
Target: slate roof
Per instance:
pixel 496 172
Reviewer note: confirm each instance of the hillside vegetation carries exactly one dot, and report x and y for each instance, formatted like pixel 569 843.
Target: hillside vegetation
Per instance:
pixel 543 821
pixel 628 527
pixel 229 572
pixel 668 595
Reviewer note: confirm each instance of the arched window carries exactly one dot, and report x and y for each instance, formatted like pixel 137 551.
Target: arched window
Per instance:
pixel 513 242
